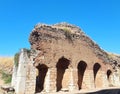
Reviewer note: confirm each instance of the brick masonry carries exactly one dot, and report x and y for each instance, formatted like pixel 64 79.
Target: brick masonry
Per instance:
pixel 63 62
pixel 27 78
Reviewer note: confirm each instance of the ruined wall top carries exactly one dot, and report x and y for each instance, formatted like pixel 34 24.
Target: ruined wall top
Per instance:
pixel 46 34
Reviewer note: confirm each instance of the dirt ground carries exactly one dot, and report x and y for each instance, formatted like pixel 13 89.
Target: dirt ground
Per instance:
pixel 1 82
pixel 109 90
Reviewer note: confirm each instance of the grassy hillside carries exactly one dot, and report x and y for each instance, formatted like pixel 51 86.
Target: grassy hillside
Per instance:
pixel 6 65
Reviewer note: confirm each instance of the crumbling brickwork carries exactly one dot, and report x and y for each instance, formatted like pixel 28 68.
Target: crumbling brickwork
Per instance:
pixel 66 60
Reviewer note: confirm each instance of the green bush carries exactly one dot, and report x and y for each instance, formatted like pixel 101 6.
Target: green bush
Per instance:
pixel 6 77
pixel 68 34
pixel 28 52
pixel 16 59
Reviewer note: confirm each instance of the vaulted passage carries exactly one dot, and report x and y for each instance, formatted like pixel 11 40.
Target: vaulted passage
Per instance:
pixel 42 70
pixel 109 72
pixel 61 66
pixel 96 68
pixel 81 69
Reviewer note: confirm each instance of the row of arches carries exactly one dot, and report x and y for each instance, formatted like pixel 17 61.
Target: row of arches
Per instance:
pixel 61 66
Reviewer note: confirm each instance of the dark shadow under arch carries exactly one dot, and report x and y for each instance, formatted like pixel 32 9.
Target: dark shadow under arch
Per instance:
pixel 42 70
pixel 96 68
pixel 109 72
pixel 81 69
pixel 61 66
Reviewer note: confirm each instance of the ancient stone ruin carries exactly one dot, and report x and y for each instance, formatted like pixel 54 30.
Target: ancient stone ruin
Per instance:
pixel 63 58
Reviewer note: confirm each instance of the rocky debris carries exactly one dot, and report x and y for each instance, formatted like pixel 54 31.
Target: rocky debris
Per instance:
pixel 65 31
pixel 7 90
pixel 115 59
pixel 74 28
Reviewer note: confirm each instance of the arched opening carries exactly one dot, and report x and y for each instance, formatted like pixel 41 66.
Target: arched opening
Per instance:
pixel 42 70
pixel 61 66
pixel 109 72
pixel 96 68
pixel 81 69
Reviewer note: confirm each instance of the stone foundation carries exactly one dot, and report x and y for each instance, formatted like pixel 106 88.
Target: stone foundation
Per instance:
pixel 62 77
pixel 69 82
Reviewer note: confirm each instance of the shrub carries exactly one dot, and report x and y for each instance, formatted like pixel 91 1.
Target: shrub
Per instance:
pixel 16 59
pixel 68 34
pixel 6 77
pixel 28 52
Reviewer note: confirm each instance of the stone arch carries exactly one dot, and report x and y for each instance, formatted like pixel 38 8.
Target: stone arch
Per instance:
pixel 40 78
pixel 61 66
pixel 109 72
pixel 96 69
pixel 81 69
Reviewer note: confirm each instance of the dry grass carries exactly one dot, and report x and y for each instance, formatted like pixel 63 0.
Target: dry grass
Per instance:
pixel 6 63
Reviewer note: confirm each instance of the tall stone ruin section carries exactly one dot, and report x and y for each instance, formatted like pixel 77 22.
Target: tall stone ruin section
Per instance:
pixel 24 75
pixel 62 58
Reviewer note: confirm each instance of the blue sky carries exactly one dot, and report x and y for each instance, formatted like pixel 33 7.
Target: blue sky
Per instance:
pixel 99 19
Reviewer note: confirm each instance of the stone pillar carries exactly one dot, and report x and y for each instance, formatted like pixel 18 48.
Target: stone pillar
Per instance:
pixel 112 79
pixel 71 83
pixel 47 82
pixel 50 80
pixel 21 73
pixel 30 79
pixel 53 76
pixel 14 76
pixel 88 80
pixel 104 79
pixel 65 80
pixel 116 79
pixel 75 78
